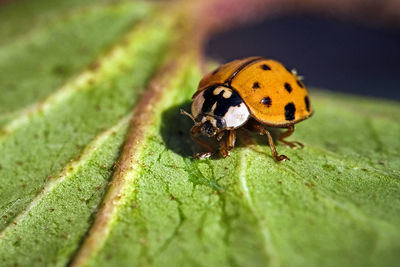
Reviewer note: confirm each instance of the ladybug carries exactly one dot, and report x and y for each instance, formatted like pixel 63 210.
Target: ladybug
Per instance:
pixel 253 93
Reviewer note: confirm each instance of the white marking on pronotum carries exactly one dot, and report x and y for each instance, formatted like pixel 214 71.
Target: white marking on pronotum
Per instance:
pixel 213 107
pixel 236 116
pixel 198 102
pixel 227 93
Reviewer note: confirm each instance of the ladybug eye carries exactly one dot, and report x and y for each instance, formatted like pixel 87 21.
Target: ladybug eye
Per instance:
pixel 220 123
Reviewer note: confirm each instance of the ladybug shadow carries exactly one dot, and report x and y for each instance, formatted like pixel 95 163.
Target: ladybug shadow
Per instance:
pixel 175 132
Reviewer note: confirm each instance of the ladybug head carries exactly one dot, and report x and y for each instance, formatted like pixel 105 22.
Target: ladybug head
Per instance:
pixel 208 129
pixel 206 124
pixel 210 125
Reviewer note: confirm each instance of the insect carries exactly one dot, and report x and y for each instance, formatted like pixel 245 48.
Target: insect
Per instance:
pixel 253 93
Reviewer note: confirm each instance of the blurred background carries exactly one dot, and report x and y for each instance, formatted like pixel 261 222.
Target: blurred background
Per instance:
pixel 339 55
pixel 348 46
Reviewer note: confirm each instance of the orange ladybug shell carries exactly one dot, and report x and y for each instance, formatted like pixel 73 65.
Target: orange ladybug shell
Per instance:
pixel 273 95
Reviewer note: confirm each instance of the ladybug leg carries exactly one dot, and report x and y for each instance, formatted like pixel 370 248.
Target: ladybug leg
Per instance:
pixel 286 134
pixel 220 135
pixel 231 140
pixel 194 133
pixel 259 128
pixel 228 144
pixel 223 149
pixel 273 149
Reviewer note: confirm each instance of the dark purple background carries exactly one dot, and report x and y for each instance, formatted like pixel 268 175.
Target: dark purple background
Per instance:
pixel 331 54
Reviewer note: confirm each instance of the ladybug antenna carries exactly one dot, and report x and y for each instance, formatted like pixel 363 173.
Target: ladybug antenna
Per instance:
pixel 187 114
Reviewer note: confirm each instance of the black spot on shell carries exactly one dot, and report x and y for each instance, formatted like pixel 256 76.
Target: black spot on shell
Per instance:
pixel 290 110
pixel 265 67
pixel 299 83
pixel 307 101
pixel 256 85
pixel 288 87
pixel 266 101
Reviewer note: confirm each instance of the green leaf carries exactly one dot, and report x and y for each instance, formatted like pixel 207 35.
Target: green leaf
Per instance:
pixel 45 58
pixel 80 187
